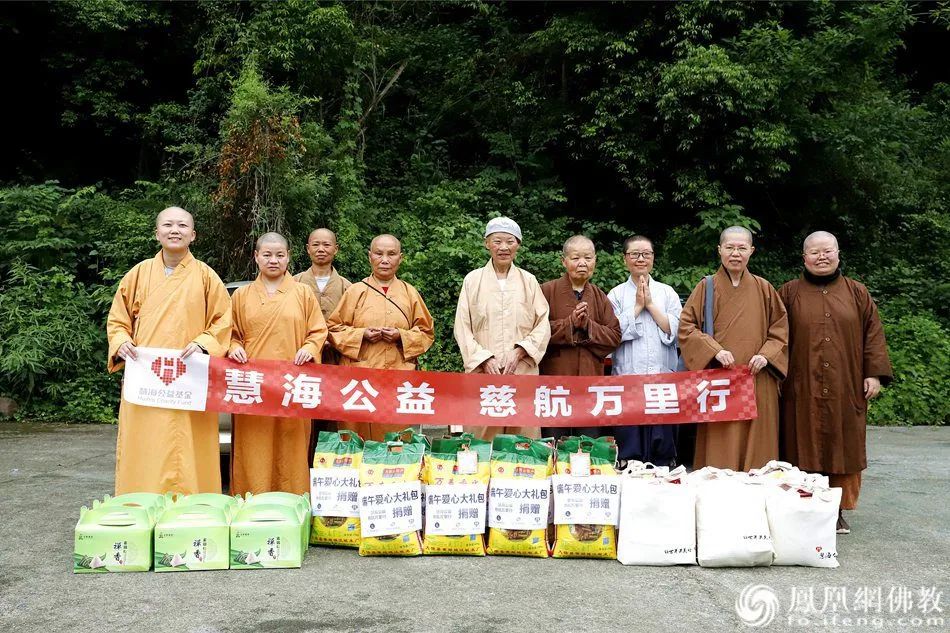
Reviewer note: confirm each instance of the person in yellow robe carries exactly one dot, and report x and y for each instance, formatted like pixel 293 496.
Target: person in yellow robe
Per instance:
pixel 501 321
pixel 274 318
pixel 381 323
pixel 750 327
pixel 173 301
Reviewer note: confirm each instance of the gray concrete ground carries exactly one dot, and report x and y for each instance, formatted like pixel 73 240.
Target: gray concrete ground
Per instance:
pixel 899 539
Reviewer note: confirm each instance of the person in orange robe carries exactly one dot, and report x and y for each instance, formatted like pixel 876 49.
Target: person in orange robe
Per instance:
pixel 173 301
pixel 275 318
pixel 750 327
pixel 381 323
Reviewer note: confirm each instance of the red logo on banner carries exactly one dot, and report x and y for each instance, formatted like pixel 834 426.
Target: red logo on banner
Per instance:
pixel 168 370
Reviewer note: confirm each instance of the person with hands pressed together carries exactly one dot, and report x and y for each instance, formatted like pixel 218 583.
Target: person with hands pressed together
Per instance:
pixel 837 362
pixel 274 318
pixel 750 327
pixel 649 314
pixel 584 329
pixel 381 323
pixel 170 301
pixel 501 321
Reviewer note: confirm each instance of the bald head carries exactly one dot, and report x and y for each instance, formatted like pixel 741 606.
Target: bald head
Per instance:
pixel 385 256
pixel 175 231
pixel 819 237
pixel 175 213
pixel 271 238
pixel 386 242
pixel 322 235
pixel 820 253
pixel 577 242
pixel 735 232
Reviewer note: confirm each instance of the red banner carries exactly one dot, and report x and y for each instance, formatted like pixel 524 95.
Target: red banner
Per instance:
pixel 352 394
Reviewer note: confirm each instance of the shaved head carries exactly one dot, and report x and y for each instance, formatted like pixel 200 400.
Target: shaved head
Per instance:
pixel 322 234
pixel 174 211
pixel 735 231
pixel 819 236
pixel 386 239
pixel 576 241
pixel 271 238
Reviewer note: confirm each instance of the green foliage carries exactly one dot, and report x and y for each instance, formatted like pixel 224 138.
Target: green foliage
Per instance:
pixel 425 119
pixel 50 339
pixel 919 347
pixel 62 253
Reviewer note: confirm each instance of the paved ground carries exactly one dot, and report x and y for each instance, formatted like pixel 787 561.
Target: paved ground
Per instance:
pixel 900 539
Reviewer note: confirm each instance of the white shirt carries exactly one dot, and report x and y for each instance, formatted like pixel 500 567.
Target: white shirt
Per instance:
pixel 322 282
pixel 644 347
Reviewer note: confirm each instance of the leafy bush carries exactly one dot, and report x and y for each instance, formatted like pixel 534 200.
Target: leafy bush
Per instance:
pixel 919 347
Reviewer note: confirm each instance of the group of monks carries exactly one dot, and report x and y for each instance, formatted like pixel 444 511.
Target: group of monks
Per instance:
pixel 819 338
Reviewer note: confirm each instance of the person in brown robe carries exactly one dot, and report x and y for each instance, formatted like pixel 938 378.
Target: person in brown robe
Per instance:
pixel 837 363
pixel 328 286
pixel 381 323
pixel 274 318
pixel 323 279
pixel 584 328
pixel 750 327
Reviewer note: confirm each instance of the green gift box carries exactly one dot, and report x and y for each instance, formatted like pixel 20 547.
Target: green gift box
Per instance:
pixel 191 538
pixel 113 538
pixel 268 535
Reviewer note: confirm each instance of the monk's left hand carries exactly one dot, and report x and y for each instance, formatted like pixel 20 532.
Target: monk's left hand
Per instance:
pixel 303 356
pixel 192 348
pixel 757 363
pixel 512 359
pixel 872 387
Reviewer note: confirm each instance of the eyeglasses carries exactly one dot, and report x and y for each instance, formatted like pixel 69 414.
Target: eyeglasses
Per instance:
pixel 639 254
pixel 742 250
pixel 828 252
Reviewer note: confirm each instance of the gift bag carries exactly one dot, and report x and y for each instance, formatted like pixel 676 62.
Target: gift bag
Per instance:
pixel 784 473
pixel 585 540
pixel 455 463
pixel 386 465
pixel 518 458
pixel 732 528
pixel 803 524
pixel 343 450
pixel 657 521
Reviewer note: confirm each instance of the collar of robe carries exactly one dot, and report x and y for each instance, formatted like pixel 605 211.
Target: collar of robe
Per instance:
pixel 821 280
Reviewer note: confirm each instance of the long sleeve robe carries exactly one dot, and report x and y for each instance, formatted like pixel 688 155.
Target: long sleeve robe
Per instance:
pixel 329 299
pixel 362 307
pixel 165 450
pixel 573 352
pixel 646 349
pixel 490 321
pixel 270 453
pixel 836 341
pixel 748 319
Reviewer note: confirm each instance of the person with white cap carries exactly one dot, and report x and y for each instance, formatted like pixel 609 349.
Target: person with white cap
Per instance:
pixel 501 323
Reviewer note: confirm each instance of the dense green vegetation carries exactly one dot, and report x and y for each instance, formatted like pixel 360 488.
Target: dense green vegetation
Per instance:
pixel 425 119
